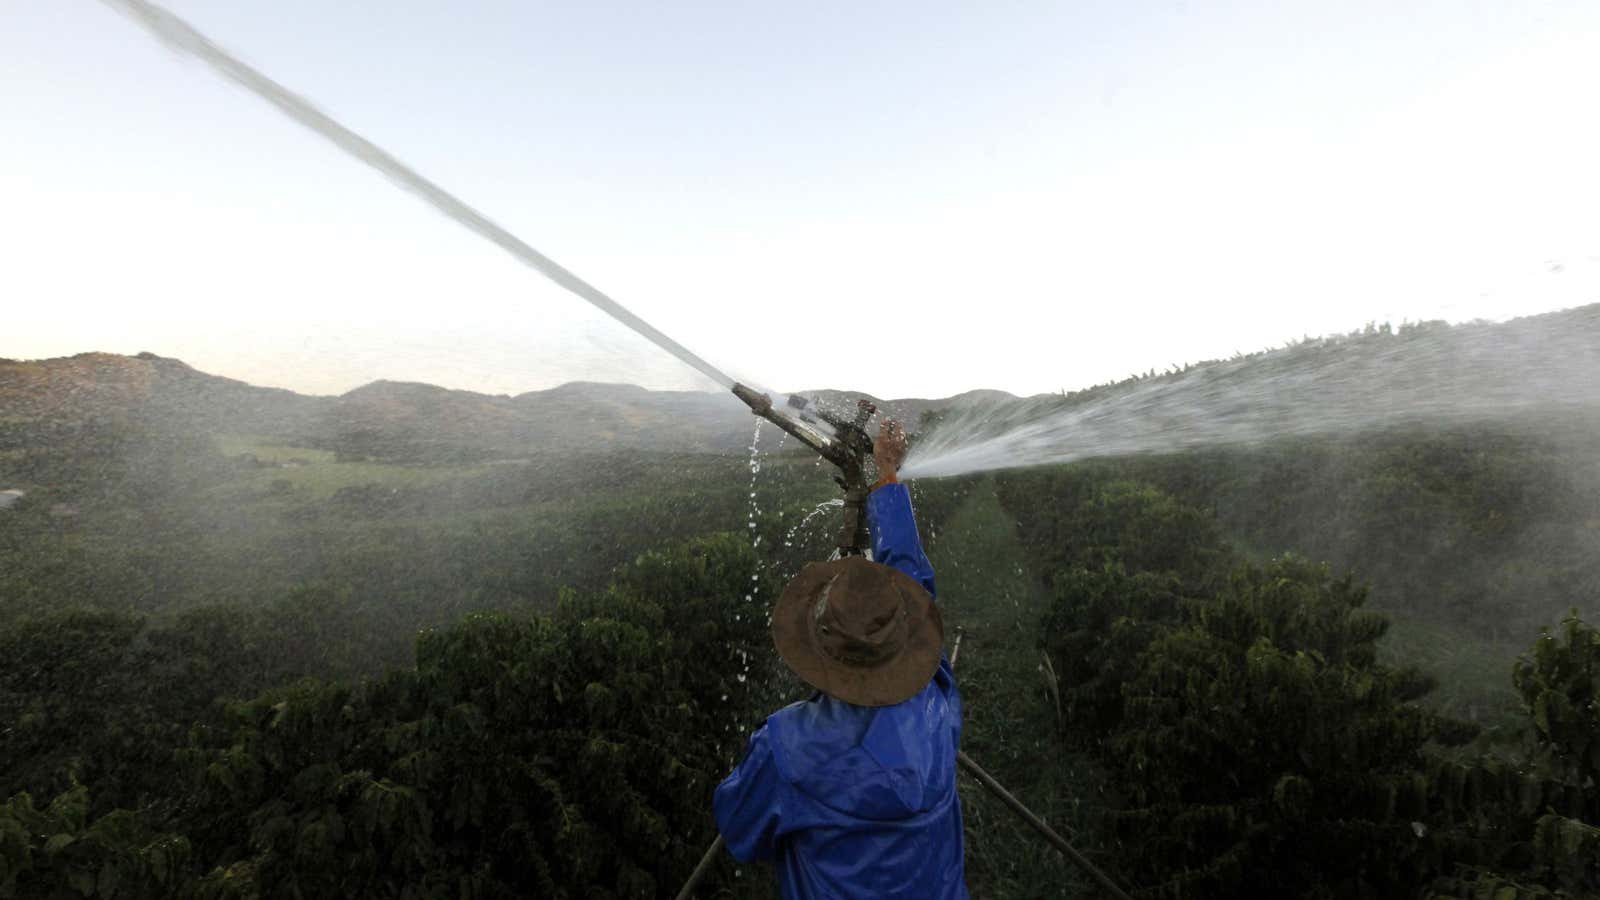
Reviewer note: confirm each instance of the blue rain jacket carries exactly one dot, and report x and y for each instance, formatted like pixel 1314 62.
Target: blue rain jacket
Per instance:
pixel 852 801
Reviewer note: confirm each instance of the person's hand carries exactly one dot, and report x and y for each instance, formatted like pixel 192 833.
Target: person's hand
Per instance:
pixel 889 451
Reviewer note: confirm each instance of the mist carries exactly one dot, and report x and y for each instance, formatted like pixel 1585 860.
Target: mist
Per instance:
pixel 1426 374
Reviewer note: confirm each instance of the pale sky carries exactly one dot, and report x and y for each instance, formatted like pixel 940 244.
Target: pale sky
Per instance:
pixel 909 199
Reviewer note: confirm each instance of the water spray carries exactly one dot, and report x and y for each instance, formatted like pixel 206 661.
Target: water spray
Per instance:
pixel 1426 375
pixel 839 440
pixel 180 35
pixel 843 442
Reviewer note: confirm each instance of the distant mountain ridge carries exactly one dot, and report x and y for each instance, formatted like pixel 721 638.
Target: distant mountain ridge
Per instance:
pixel 109 387
pixel 47 401
pixel 384 419
pixel 388 418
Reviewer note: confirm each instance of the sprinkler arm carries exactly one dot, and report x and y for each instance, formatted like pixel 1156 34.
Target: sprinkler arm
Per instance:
pixel 761 405
pixel 848 448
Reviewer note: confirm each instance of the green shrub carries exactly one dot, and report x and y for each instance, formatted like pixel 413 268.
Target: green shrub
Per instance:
pixel 58 853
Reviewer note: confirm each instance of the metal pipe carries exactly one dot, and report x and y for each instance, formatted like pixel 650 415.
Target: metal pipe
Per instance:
pixel 700 870
pixel 1039 825
pixel 994 787
pixel 761 405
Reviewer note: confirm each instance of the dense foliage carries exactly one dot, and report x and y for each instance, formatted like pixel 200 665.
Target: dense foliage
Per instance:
pixel 1256 745
pixel 1559 680
pixel 1244 738
pixel 561 755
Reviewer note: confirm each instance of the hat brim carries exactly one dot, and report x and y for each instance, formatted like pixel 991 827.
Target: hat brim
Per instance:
pixel 893 681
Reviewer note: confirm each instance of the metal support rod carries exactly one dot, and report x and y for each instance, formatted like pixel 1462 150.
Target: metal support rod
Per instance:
pixel 1039 825
pixel 1006 797
pixel 700 870
pixel 987 780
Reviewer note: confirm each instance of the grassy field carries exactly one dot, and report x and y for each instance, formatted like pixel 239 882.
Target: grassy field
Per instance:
pixel 268 452
pixel 317 475
pixel 991 591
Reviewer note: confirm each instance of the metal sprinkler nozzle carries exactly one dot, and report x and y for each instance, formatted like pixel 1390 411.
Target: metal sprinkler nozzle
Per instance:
pixel 760 403
pixel 848 448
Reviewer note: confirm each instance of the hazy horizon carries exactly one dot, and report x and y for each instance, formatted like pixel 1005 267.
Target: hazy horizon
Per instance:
pixel 1028 199
pixel 718 390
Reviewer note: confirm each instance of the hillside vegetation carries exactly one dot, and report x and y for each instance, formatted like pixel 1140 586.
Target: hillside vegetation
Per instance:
pixel 420 643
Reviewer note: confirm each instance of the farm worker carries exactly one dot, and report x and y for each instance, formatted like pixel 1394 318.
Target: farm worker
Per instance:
pixel 853 792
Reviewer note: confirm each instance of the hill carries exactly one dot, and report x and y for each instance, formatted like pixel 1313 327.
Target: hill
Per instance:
pixel 397 420
pixel 54 406
pixel 108 387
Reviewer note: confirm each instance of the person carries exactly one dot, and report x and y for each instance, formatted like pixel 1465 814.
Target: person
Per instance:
pixel 852 794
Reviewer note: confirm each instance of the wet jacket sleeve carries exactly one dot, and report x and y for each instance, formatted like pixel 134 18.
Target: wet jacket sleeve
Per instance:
pixel 748 804
pixel 893 529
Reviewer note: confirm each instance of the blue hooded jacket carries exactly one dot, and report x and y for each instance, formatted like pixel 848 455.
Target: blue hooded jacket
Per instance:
pixel 853 801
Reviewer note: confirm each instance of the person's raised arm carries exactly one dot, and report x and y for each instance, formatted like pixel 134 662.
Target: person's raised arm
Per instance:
pixel 890 521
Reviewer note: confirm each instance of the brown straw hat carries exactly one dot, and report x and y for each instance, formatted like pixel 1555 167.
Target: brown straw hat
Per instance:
pixel 859 631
